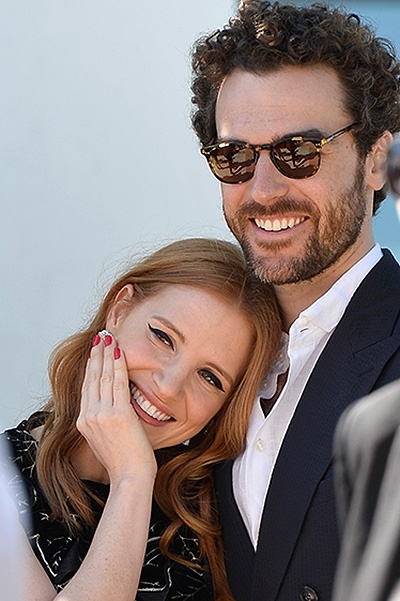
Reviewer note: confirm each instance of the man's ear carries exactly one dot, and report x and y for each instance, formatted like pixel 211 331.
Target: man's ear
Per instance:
pixel 376 162
pixel 120 307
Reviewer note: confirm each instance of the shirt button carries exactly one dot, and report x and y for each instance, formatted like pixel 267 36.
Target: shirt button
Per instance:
pixel 260 446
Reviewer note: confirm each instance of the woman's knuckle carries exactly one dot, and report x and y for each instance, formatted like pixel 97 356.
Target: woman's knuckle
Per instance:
pixel 106 378
pixel 120 385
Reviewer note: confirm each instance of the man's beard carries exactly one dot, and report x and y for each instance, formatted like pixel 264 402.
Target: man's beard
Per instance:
pixel 343 224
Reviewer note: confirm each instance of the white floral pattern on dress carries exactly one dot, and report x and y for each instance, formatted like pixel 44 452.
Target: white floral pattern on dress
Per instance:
pixel 61 555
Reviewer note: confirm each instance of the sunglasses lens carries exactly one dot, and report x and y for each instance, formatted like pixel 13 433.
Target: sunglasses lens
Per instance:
pixel 232 164
pixel 297 159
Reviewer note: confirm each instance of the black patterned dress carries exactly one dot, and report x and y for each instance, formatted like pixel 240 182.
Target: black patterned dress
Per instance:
pixel 61 555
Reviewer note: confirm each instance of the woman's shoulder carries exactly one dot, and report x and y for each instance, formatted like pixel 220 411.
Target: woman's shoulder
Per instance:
pixel 19 449
pixel 20 444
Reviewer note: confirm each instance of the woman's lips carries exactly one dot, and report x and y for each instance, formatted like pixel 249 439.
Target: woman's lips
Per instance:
pixel 150 410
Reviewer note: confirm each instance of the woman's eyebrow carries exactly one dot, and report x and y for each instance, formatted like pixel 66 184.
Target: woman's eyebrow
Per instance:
pixel 222 372
pixel 171 326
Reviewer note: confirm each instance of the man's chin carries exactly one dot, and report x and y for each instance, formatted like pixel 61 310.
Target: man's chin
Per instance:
pixel 277 273
pixel 281 271
pixel 270 267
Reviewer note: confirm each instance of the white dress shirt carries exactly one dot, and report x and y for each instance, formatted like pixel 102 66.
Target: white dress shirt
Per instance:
pixel 300 350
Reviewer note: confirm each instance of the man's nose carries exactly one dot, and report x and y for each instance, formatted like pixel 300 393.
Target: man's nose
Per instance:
pixel 267 182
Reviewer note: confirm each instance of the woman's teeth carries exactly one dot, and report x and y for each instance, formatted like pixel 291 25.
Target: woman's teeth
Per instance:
pixel 147 406
pixel 276 225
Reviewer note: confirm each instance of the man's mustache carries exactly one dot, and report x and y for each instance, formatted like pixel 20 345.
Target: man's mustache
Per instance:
pixel 276 208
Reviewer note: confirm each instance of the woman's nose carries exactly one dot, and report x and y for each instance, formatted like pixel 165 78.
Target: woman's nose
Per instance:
pixel 170 382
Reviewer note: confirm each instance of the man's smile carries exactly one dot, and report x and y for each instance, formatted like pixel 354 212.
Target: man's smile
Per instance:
pixel 276 225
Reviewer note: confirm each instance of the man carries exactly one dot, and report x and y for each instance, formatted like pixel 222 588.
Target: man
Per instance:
pixel 295 108
pixel 367 472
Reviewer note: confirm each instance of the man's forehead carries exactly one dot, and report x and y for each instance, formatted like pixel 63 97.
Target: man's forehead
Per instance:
pixel 288 82
pixel 291 100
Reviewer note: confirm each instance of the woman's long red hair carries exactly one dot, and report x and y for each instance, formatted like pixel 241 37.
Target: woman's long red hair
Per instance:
pixel 184 487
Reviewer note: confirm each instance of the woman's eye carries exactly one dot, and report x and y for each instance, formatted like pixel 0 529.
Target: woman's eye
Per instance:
pixel 161 336
pixel 212 379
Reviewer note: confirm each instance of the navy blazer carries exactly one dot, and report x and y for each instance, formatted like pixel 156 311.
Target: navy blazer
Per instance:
pixel 298 542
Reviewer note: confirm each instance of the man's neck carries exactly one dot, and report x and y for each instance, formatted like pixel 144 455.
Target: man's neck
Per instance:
pixel 295 298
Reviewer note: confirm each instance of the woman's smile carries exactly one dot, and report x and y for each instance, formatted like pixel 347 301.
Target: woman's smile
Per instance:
pixel 140 401
pixel 185 350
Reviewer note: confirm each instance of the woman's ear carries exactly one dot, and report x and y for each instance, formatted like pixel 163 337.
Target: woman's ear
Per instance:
pixel 376 162
pixel 121 305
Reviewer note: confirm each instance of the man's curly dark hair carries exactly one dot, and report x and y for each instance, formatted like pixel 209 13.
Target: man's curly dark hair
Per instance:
pixel 266 36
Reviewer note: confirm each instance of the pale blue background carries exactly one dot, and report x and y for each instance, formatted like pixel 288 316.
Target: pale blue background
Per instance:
pixel 98 161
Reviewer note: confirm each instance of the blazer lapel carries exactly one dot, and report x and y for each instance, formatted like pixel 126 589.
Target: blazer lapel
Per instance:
pixel 346 370
pixel 241 555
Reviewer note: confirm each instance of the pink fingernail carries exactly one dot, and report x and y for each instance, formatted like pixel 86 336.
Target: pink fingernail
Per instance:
pixel 117 352
pixel 107 340
pixel 96 340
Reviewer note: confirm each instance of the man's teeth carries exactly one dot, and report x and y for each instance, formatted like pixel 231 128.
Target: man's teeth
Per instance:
pixel 276 225
pixel 147 406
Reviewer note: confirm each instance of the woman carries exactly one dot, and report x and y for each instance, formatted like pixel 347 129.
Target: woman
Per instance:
pixel 145 401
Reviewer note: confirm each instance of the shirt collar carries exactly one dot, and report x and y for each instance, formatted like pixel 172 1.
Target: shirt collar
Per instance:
pixel 327 310
pixel 325 313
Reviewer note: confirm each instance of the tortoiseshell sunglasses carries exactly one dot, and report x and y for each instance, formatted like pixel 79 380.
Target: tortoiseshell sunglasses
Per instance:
pixel 296 157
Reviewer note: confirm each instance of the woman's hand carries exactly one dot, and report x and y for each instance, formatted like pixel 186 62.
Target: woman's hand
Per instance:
pixel 107 420
pixel 119 450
